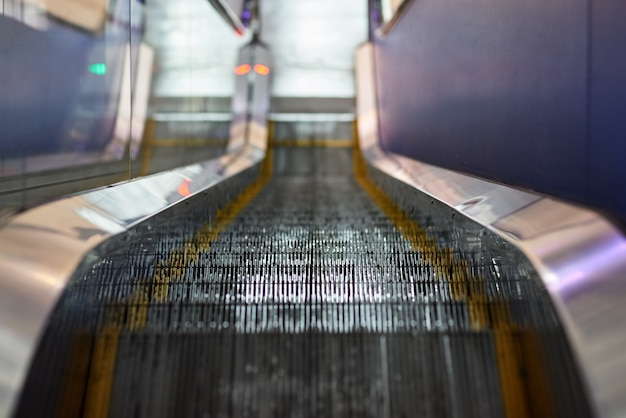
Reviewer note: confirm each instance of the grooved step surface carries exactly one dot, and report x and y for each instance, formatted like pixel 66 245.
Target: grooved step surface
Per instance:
pixel 311 302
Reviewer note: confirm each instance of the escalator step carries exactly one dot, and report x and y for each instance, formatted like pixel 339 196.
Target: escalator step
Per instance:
pixel 311 302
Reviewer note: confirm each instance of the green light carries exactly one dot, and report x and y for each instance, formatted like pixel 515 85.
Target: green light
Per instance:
pixel 99 68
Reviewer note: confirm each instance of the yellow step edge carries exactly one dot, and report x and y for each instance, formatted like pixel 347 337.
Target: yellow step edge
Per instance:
pixel 518 348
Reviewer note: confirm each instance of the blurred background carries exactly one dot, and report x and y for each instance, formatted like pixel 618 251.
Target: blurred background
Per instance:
pixel 123 88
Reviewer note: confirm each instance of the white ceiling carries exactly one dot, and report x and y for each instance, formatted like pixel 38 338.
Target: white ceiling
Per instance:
pixel 312 41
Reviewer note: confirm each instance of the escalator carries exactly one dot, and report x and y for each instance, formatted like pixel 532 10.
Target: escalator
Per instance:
pixel 280 273
pixel 310 293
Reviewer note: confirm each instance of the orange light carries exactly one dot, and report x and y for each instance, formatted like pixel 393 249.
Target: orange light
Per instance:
pixel 242 69
pixel 261 69
pixel 183 189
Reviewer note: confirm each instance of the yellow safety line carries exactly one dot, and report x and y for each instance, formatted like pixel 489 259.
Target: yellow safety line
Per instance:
pixel 323 143
pixel 132 314
pixel 71 404
pixel 101 373
pixel 188 142
pixel 146 147
pixel 520 364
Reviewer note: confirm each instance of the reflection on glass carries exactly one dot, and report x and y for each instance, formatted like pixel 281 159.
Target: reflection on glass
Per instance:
pixel 74 80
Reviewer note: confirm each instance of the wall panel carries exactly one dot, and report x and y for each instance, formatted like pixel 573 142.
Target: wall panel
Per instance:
pixel 526 92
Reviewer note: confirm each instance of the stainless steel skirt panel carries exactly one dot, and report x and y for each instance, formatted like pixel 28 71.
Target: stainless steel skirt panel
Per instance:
pixel 41 249
pixel 579 255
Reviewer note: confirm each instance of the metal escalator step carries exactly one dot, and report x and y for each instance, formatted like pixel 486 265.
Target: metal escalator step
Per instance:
pixel 311 302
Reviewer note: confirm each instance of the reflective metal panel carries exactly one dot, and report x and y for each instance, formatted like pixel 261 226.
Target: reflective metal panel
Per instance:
pixel 529 93
pixel 260 106
pixel 580 256
pixel 141 96
pixel 251 100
